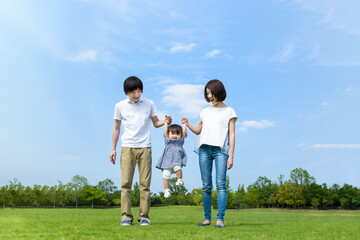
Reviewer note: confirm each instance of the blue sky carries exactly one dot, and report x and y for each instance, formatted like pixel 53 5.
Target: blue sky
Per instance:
pixel 291 70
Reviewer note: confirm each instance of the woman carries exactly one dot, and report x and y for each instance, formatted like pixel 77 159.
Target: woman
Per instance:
pixel 216 143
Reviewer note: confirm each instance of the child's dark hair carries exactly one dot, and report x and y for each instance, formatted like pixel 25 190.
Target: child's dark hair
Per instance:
pixel 217 90
pixel 175 129
pixel 132 83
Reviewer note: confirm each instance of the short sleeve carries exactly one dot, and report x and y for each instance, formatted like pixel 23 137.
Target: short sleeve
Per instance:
pixel 117 112
pixel 153 109
pixel 232 114
pixel 202 114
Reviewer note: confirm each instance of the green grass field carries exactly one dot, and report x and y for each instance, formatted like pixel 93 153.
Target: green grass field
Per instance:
pixel 178 222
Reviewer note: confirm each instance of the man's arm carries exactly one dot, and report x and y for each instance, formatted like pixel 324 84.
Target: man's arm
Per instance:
pixel 159 123
pixel 115 138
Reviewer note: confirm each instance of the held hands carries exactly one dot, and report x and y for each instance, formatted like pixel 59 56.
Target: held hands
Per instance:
pixel 184 120
pixel 113 156
pixel 168 119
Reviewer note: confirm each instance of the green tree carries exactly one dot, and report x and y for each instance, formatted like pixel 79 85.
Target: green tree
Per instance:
pixel 4 195
pixel 197 196
pixel 28 197
pixel 315 203
pixel 52 195
pixel 16 190
pixel 61 194
pixel 94 193
pixel 258 193
pixel 301 177
pixel 76 188
pixel 37 195
pixel 291 195
pixel 239 200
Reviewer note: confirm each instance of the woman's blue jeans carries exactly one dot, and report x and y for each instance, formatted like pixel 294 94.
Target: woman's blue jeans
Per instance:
pixel 207 154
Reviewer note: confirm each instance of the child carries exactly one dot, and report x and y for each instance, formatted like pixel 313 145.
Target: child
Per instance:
pixel 174 156
pixel 216 144
pixel 136 114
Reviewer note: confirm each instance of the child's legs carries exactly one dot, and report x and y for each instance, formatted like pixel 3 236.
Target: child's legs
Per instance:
pixel 127 166
pixel 205 162
pixel 144 165
pixel 166 177
pixel 178 171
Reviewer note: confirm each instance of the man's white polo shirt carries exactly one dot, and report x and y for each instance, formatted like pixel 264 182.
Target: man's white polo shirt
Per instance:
pixel 136 119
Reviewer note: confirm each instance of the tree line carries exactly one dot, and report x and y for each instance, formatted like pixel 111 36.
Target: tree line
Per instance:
pixel 299 191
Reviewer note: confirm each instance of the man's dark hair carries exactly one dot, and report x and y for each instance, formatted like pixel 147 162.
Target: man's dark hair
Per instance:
pixel 132 83
pixel 175 129
pixel 217 90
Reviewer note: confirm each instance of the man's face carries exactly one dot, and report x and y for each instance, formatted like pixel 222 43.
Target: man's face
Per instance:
pixel 135 95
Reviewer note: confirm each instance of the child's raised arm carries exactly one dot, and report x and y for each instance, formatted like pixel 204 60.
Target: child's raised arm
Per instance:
pixel 184 131
pixel 166 127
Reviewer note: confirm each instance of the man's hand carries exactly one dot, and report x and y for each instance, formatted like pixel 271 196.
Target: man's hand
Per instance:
pixel 168 119
pixel 113 156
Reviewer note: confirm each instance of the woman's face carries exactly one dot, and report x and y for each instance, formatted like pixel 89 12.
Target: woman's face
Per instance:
pixel 212 98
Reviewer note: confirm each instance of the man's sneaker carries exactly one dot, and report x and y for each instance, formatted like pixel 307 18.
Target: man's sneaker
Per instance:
pixel 144 221
pixel 167 193
pixel 179 182
pixel 126 222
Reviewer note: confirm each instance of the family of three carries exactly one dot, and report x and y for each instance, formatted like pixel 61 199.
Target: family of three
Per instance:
pixel 216 143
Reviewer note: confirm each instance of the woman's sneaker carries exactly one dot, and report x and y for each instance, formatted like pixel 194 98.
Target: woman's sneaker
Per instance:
pixel 179 182
pixel 167 193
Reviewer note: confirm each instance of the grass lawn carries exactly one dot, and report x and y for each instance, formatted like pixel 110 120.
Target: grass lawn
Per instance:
pixel 178 222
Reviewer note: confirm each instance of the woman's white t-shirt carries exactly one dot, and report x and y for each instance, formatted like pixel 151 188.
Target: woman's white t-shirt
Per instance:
pixel 215 127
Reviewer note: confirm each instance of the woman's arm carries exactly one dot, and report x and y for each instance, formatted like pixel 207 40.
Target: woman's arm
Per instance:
pixel 231 143
pixel 194 129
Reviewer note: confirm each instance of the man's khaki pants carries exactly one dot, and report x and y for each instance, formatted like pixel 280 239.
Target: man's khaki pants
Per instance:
pixel 128 159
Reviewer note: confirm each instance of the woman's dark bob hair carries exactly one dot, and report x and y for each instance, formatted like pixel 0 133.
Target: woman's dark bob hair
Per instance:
pixel 132 83
pixel 217 90
pixel 175 129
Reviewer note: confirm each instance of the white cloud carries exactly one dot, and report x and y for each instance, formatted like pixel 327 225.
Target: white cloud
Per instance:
pixel 187 97
pixel 85 56
pixel 324 103
pixel 182 48
pixel 335 146
pixel 213 53
pixel 243 126
pixel 285 55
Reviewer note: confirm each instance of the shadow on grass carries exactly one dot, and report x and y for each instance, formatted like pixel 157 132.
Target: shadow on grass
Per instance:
pixel 229 225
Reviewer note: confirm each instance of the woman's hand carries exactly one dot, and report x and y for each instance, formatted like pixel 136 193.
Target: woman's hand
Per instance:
pixel 230 162
pixel 184 120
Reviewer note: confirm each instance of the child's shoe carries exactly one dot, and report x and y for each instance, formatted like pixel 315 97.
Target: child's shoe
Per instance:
pixel 179 182
pixel 167 193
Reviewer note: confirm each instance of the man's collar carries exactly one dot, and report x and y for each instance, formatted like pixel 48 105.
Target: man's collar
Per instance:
pixel 130 101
